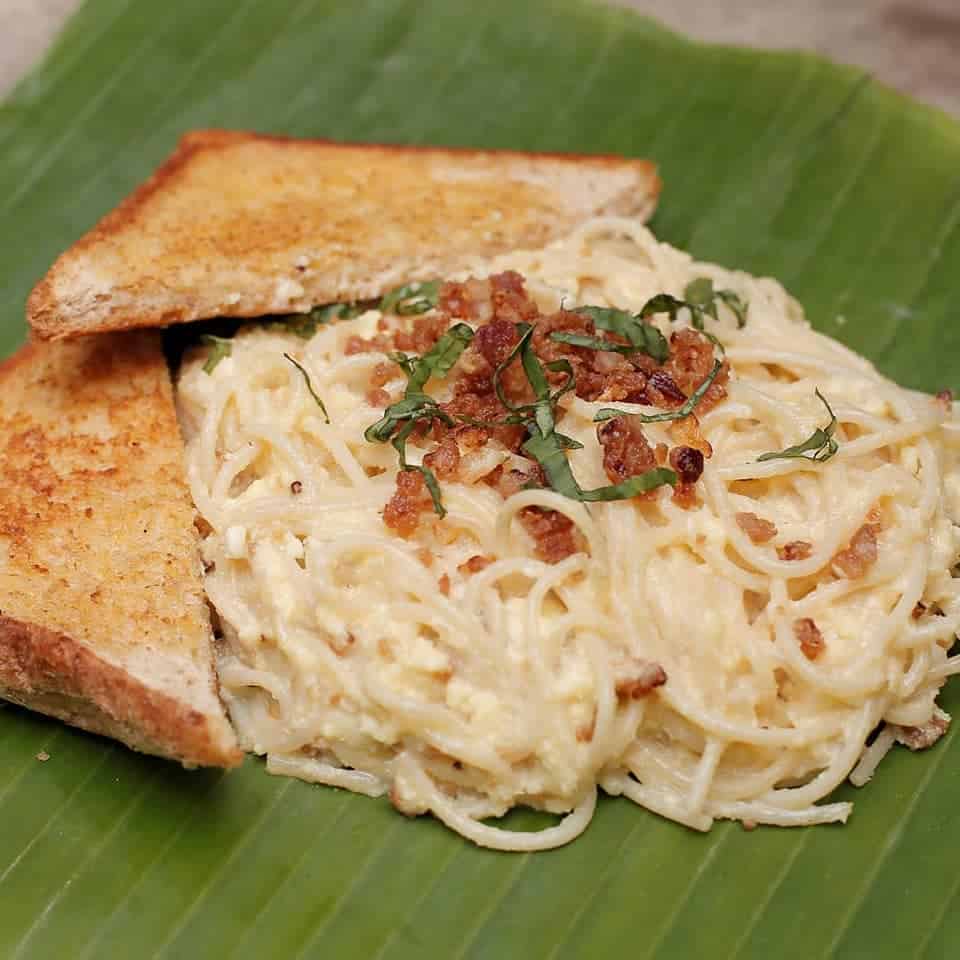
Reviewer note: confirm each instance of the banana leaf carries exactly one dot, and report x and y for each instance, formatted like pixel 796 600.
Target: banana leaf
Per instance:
pixel 778 163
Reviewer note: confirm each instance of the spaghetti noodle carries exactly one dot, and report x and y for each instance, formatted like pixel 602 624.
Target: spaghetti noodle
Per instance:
pixel 386 664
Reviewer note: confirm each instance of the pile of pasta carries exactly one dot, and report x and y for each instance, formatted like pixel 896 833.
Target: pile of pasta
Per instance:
pixel 801 611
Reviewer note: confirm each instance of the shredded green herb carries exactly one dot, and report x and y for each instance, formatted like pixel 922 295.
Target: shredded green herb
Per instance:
pixel 663 303
pixel 548 447
pixel 642 337
pixel 399 443
pixel 306 325
pixel 412 298
pixel 307 381
pixel 701 300
pixel 220 347
pixel 608 413
pixel 819 447
pixel 550 452
pixel 701 297
pixel 634 486
pixel 592 343
pixel 400 419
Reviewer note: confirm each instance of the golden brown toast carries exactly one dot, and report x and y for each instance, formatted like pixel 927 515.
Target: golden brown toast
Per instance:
pixel 235 224
pixel 103 620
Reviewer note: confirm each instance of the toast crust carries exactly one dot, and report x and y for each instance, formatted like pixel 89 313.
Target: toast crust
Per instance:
pixel 49 672
pixel 103 619
pixel 238 224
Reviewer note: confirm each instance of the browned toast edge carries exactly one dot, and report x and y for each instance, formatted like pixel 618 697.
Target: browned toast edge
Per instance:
pixel 41 307
pixel 54 674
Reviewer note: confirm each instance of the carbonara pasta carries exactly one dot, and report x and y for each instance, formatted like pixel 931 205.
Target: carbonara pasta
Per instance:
pixel 727 656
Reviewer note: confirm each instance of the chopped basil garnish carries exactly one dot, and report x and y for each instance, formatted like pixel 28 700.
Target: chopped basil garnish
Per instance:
pixel 305 325
pixel 701 300
pixel 549 452
pixel 220 347
pixel 702 297
pixel 548 447
pixel 643 337
pixel 592 343
pixel 306 380
pixel 542 409
pixel 400 419
pixel 634 486
pixel 439 360
pixel 399 443
pixel 412 298
pixel 413 407
pixel 819 447
pixel 663 303
pixel 608 413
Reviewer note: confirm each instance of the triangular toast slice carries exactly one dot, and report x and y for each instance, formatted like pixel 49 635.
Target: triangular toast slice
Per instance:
pixel 240 225
pixel 103 620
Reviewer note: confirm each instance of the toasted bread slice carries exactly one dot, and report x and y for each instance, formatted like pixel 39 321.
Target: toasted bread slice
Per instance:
pixel 103 621
pixel 239 225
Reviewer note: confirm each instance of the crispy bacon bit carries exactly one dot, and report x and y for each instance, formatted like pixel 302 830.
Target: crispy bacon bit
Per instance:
pixel 756 528
pixel 459 300
pixel 662 391
pixel 691 357
pixel 495 341
pixel 585 733
pixel 598 374
pixel 377 344
pixel 686 432
pixel 382 373
pixel 627 386
pixel 471 438
pixel 944 399
pixel 754 604
pixel 919 609
pixel 691 360
pixel 403 509
pixel 341 645
pixel 920 738
pixel 474 565
pixel 423 334
pixel 378 397
pixel 795 550
pixel 556 536
pixel 473 397
pixel 444 584
pixel 633 688
pixel 445 460
pixel 509 482
pixel 860 555
pixel 688 463
pixel 509 298
pixel 809 637
pixel 685 496
pixel 296 487
pixel 626 451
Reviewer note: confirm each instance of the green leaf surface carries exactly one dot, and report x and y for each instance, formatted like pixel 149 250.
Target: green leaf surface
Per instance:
pixel 776 163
